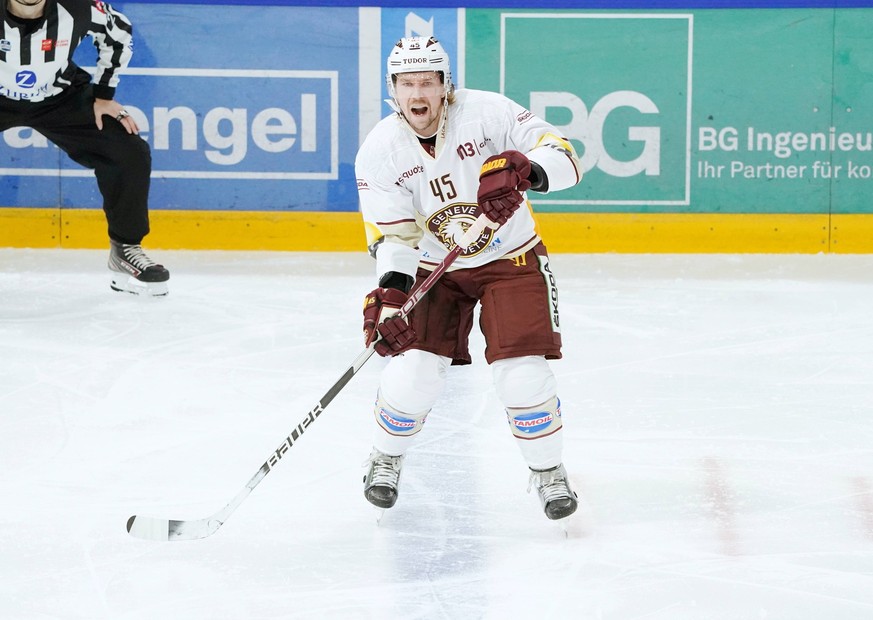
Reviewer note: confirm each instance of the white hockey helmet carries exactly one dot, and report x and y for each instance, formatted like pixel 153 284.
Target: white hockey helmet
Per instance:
pixel 414 54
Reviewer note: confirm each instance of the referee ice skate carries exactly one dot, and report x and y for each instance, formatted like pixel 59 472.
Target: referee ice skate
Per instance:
pixel 42 88
pixel 425 174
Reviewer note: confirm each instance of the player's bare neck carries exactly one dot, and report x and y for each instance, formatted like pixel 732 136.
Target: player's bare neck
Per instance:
pixel 26 9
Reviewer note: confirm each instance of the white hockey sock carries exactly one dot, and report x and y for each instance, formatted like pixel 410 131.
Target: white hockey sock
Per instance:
pixel 537 431
pixel 396 430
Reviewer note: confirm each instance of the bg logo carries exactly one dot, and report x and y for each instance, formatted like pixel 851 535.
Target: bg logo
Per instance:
pixel 588 128
pixel 628 115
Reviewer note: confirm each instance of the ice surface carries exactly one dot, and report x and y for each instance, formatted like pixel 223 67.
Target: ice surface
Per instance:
pixel 718 415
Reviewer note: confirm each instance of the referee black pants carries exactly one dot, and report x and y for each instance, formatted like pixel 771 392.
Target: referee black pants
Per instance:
pixel 122 162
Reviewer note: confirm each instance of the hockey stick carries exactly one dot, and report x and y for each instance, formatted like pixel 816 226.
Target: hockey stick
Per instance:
pixel 153 528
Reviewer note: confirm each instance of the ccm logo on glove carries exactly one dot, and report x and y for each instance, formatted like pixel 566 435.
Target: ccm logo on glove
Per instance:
pixel 502 180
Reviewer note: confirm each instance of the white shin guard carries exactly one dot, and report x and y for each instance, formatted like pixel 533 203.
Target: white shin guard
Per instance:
pixel 396 424
pixel 537 431
pixel 527 388
pixel 524 381
pixel 408 389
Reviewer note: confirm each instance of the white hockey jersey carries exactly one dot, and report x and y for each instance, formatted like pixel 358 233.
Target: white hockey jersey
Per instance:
pixel 416 206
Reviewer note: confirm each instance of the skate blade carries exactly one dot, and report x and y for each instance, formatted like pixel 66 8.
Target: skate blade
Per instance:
pixel 129 284
pixel 580 524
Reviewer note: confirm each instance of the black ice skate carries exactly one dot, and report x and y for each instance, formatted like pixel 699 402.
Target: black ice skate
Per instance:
pixel 556 496
pixel 134 272
pixel 382 479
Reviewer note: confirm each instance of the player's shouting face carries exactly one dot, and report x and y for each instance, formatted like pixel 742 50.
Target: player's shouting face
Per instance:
pixel 420 97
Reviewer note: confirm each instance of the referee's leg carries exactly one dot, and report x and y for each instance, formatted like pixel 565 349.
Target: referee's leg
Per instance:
pixel 121 162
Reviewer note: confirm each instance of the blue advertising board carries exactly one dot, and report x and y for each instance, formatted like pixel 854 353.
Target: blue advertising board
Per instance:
pixel 238 116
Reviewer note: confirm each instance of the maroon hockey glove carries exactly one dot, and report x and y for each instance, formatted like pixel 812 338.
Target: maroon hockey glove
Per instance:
pixel 393 333
pixel 397 337
pixel 501 181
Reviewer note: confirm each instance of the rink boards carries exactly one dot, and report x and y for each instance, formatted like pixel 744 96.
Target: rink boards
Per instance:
pixel 700 130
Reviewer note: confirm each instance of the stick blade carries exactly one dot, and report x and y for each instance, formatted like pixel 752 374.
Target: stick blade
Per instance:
pixel 151 528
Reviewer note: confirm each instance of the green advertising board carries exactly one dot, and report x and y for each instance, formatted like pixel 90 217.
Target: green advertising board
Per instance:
pixel 755 111
pixel 852 187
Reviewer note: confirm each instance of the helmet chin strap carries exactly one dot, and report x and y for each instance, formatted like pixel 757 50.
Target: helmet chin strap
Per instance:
pixel 392 104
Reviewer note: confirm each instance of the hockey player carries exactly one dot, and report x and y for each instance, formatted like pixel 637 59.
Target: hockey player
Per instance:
pixel 42 88
pixel 424 174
